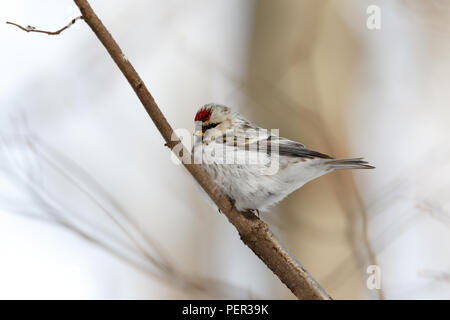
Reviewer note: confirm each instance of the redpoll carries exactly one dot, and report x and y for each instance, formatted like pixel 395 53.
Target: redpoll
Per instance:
pixel 253 166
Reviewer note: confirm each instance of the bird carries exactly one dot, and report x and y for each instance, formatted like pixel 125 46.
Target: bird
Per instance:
pixel 253 166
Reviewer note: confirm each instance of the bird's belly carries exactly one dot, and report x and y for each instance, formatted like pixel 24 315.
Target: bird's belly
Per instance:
pixel 251 189
pixel 243 184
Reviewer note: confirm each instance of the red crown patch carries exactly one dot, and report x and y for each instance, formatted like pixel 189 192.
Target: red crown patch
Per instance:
pixel 203 115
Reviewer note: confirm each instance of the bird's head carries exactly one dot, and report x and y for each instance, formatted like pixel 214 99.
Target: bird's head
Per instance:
pixel 213 121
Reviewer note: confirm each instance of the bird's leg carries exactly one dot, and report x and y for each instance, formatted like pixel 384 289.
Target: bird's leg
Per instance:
pixel 232 204
pixel 255 212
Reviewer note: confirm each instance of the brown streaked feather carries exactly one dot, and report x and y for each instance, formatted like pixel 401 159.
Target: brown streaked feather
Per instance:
pixel 286 147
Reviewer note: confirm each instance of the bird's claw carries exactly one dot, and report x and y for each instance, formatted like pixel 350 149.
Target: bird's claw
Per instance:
pixel 255 212
pixel 232 204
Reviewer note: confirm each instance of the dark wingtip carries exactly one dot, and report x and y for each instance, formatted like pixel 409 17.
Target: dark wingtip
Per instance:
pixel 356 163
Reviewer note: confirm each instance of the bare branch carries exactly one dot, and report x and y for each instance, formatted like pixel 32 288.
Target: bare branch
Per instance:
pixel 51 33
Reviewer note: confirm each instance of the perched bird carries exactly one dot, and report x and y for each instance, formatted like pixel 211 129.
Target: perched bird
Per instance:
pixel 253 166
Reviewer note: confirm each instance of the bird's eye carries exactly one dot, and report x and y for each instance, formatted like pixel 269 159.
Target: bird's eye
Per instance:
pixel 209 126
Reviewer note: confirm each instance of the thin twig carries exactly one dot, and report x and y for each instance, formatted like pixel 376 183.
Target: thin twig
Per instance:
pixel 52 33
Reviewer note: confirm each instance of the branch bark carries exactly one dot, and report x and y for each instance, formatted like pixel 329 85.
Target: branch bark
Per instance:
pixel 253 232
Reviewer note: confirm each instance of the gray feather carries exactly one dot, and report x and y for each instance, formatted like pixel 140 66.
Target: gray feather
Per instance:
pixel 355 163
pixel 294 149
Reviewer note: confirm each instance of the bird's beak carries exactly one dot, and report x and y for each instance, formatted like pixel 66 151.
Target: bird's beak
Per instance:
pixel 199 133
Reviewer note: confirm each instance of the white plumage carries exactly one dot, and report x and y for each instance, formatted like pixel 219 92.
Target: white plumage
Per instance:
pixel 254 167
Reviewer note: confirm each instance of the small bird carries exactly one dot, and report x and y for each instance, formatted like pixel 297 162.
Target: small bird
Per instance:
pixel 253 166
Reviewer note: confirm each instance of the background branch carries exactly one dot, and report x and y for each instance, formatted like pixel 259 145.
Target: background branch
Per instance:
pixel 52 33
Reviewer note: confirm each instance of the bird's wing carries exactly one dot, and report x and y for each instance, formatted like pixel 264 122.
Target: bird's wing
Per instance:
pixel 272 143
pixel 291 148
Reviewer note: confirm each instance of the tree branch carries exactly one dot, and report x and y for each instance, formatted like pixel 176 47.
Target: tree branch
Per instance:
pixel 52 33
pixel 253 232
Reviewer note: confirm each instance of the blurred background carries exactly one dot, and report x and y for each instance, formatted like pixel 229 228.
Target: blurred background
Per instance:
pixel 91 206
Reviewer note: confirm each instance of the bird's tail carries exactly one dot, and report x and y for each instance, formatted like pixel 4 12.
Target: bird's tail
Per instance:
pixel 355 163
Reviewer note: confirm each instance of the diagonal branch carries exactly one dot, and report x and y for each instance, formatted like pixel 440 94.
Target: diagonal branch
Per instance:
pixel 51 33
pixel 253 232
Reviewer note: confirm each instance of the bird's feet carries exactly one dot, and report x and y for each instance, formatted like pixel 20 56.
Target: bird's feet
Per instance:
pixel 255 212
pixel 232 201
